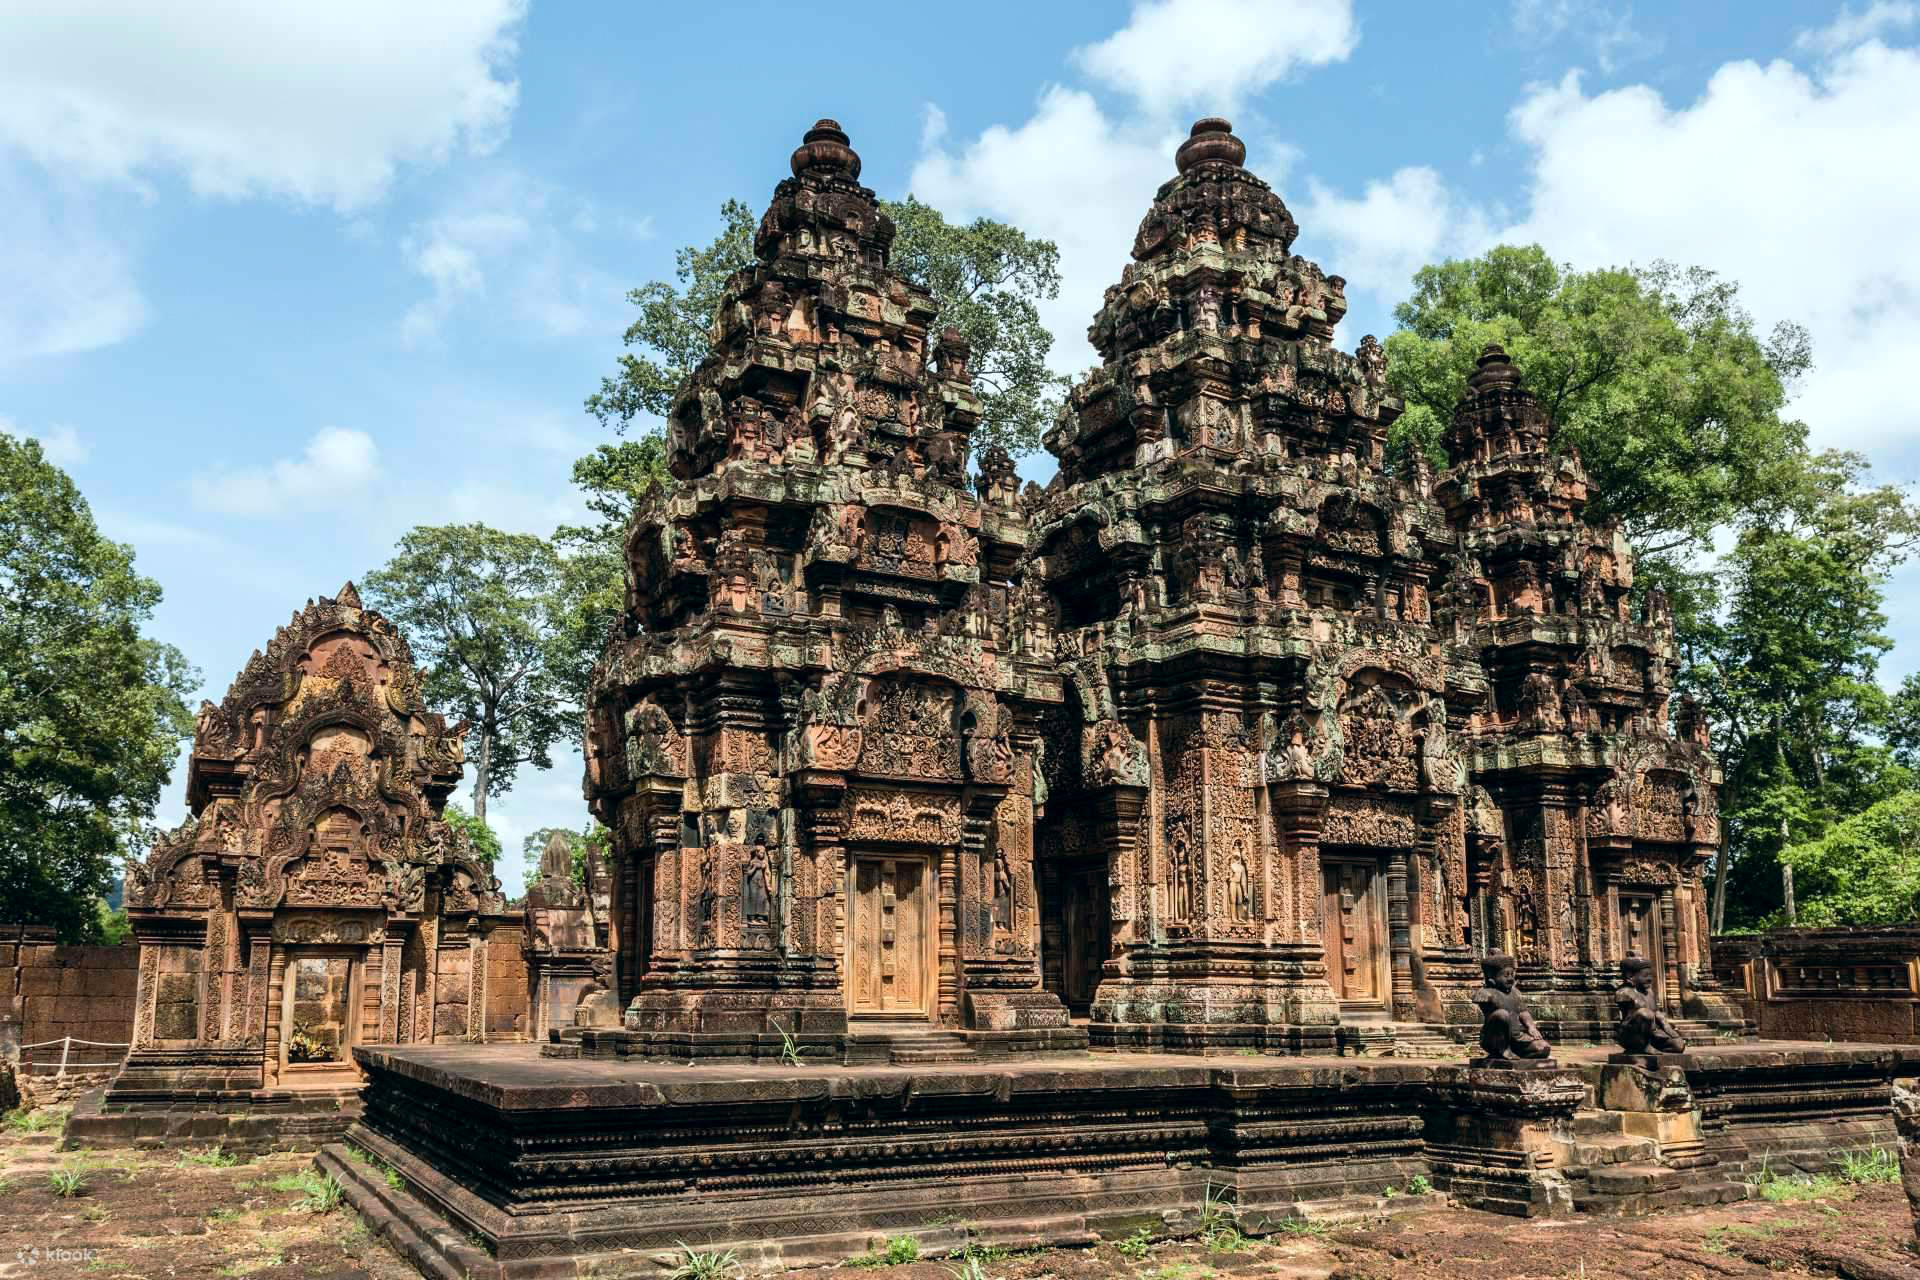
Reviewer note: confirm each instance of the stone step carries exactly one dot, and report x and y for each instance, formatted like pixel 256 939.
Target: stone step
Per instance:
pixel 1632 1179
pixel 910 1055
pixel 1618 1149
pixel 1589 1121
pixel 1694 1194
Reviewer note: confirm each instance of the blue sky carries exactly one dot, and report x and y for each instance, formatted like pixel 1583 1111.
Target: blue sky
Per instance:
pixel 278 282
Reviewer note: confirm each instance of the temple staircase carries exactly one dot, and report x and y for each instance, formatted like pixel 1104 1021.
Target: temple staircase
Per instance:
pixel 1614 1172
pixel 915 1046
pixel 1426 1040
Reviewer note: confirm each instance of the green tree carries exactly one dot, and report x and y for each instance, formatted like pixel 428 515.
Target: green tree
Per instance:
pixel 486 842
pixel 1865 869
pixel 674 324
pixel 986 277
pixel 593 592
pixel 1786 663
pixel 487 616
pixel 1656 374
pixel 92 711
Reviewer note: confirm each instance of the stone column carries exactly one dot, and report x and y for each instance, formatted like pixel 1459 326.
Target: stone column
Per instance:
pixel 1400 935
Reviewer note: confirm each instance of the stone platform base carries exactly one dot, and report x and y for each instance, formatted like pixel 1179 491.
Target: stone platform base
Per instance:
pixel 856 1046
pixel 256 1122
pixel 514 1165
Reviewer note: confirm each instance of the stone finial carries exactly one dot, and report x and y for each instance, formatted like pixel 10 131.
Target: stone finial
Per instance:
pixel 1493 368
pixel 1211 142
pixel 556 860
pixel 349 597
pixel 824 151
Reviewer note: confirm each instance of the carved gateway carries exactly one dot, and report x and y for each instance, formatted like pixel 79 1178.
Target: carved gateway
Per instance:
pixel 316 899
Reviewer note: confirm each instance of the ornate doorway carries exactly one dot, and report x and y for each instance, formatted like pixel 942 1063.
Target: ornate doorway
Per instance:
pixel 890 938
pixel 1640 933
pixel 1356 934
pixel 320 1014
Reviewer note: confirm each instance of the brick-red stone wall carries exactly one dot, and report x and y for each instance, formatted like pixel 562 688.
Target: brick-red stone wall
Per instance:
pixel 506 1014
pixel 1826 984
pixel 50 990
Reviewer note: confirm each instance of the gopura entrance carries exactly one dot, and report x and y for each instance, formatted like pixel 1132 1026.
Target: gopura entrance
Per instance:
pixel 891 955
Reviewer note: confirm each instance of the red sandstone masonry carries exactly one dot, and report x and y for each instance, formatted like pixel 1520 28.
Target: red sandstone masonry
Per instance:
pixel 50 990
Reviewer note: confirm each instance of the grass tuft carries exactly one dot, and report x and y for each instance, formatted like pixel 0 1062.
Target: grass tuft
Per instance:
pixel 696 1265
pixel 214 1157
pixel 67 1183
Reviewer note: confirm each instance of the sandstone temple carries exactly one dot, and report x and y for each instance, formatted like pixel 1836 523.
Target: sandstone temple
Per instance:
pixel 314 901
pixel 1231 736
pixel 1003 866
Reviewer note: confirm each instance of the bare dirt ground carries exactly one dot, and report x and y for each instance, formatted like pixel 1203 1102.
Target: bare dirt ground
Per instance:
pixel 1856 1232
pixel 141 1215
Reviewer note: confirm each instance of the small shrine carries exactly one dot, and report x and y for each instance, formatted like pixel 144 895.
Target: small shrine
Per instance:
pixel 316 900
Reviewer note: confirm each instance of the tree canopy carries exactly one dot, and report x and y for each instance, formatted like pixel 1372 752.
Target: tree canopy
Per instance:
pixel 489 616
pixel 1679 409
pixel 1655 374
pixel 92 710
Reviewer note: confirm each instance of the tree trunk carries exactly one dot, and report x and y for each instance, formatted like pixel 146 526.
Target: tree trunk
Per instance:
pixel 1786 875
pixel 482 774
pixel 1720 889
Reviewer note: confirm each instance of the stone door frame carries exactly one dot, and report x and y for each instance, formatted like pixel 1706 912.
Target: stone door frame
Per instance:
pixel 290 1074
pixel 930 861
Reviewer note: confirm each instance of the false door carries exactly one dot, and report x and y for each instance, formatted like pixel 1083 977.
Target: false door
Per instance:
pixel 1640 933
pixel 1354 932
pixel 889 938
pixel 1083 927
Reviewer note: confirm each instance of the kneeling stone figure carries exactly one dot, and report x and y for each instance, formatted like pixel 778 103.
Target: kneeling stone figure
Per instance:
pixel 1638 1024
pixel 1508 1032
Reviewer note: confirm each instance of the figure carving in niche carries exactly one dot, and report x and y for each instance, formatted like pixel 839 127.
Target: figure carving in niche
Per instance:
pixel 1373 361
pixel 1539 702
pixel 1440 767
pixel 1180 857
pixel 1508 1032
pixel 1240 884
pixel 1638 1024
pixel 756 902
pixel 1002 898
pixel 709 898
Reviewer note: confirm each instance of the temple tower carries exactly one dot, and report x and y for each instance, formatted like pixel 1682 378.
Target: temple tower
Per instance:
pixel 813 744
pixel 1260 740
pixel 316 900
pixel 1595 818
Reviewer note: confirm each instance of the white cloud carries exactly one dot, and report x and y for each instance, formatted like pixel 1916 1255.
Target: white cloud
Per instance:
pixel 1849 29
pixel 1082 177
pixel 513 239
pixel 1211 53
pixel 1069 174
pixel 318 102
pixel 62 446
pixel 64 287
pixel 339 465
pixel 1608 32
pixel 1393 228
pixel 1779 178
